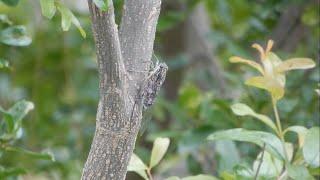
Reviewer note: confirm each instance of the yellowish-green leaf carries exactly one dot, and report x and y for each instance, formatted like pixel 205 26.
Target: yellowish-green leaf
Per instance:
pixel 270 62
pixel 244 110
pixel 227 176
pixel 269 45
pixel 66 16
pixel 295 63
pixel 269 84
pixel 236 59
pixel 300 130
pixel 273 58
pixel 136 164
pixel 48 8
pixel 260 49
pixel 76 22
pixel 160 146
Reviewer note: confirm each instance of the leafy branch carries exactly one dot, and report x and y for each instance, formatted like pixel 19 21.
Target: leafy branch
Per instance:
pixel 272 79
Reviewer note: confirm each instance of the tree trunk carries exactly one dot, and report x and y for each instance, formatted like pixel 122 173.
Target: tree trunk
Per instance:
pixel 123 64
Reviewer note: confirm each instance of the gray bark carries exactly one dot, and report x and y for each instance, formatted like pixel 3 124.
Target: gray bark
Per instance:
pixel 123 64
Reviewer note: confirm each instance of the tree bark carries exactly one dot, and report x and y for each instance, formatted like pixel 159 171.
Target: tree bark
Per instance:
pixel 123 64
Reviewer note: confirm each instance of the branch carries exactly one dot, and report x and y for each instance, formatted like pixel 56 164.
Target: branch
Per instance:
pixel 116 131
pixel 105 31
pixel 137 34
pixel 260 163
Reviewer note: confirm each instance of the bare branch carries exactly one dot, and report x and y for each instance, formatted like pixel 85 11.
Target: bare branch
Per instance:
pixel 106 37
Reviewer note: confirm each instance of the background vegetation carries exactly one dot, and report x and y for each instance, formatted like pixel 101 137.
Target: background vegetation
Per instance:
pixel 57 72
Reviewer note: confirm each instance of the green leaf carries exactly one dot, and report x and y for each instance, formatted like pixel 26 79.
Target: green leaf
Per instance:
pixel 102 4
pixel 289 150
pixel 76 22
pixel 227 176
pixel 143 174
pixel 300 130
pixel 173 178
pixel 18 111
pixel 241 109
pixel 42 155
pixel 9 121
pixel 4 18
pixel 243 172
pixel 270 166
pixel 48 8
pixel 314 171
pixel 4 63
pixel 273 144
pixel 228 155
pixel 7 172
pixel 160 146
pixel 13 118
pixel 200 177
pixel 10 2
pixel 298 172
pixel 311 147
pixel 136 164
pixel 67 18
pixel 197 177
pixel 15 36
pixel 244 110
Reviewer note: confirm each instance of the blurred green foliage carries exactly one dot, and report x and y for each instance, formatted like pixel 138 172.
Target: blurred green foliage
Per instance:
pixel 11 129
pixel 57 72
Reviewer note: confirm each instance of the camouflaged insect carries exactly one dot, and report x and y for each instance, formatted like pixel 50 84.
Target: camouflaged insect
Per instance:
pixel 153 84
pixel 150 88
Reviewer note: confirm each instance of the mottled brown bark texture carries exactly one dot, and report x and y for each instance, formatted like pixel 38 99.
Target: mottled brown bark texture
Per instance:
pixel 123 64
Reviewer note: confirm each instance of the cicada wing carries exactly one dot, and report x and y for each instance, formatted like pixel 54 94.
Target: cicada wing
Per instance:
pixel 145 122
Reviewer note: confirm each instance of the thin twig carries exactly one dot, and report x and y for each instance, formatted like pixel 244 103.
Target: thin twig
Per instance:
pixel 281 135
pixel 282 175
pixel 149 174
pixel 259 166
pixel 274 105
